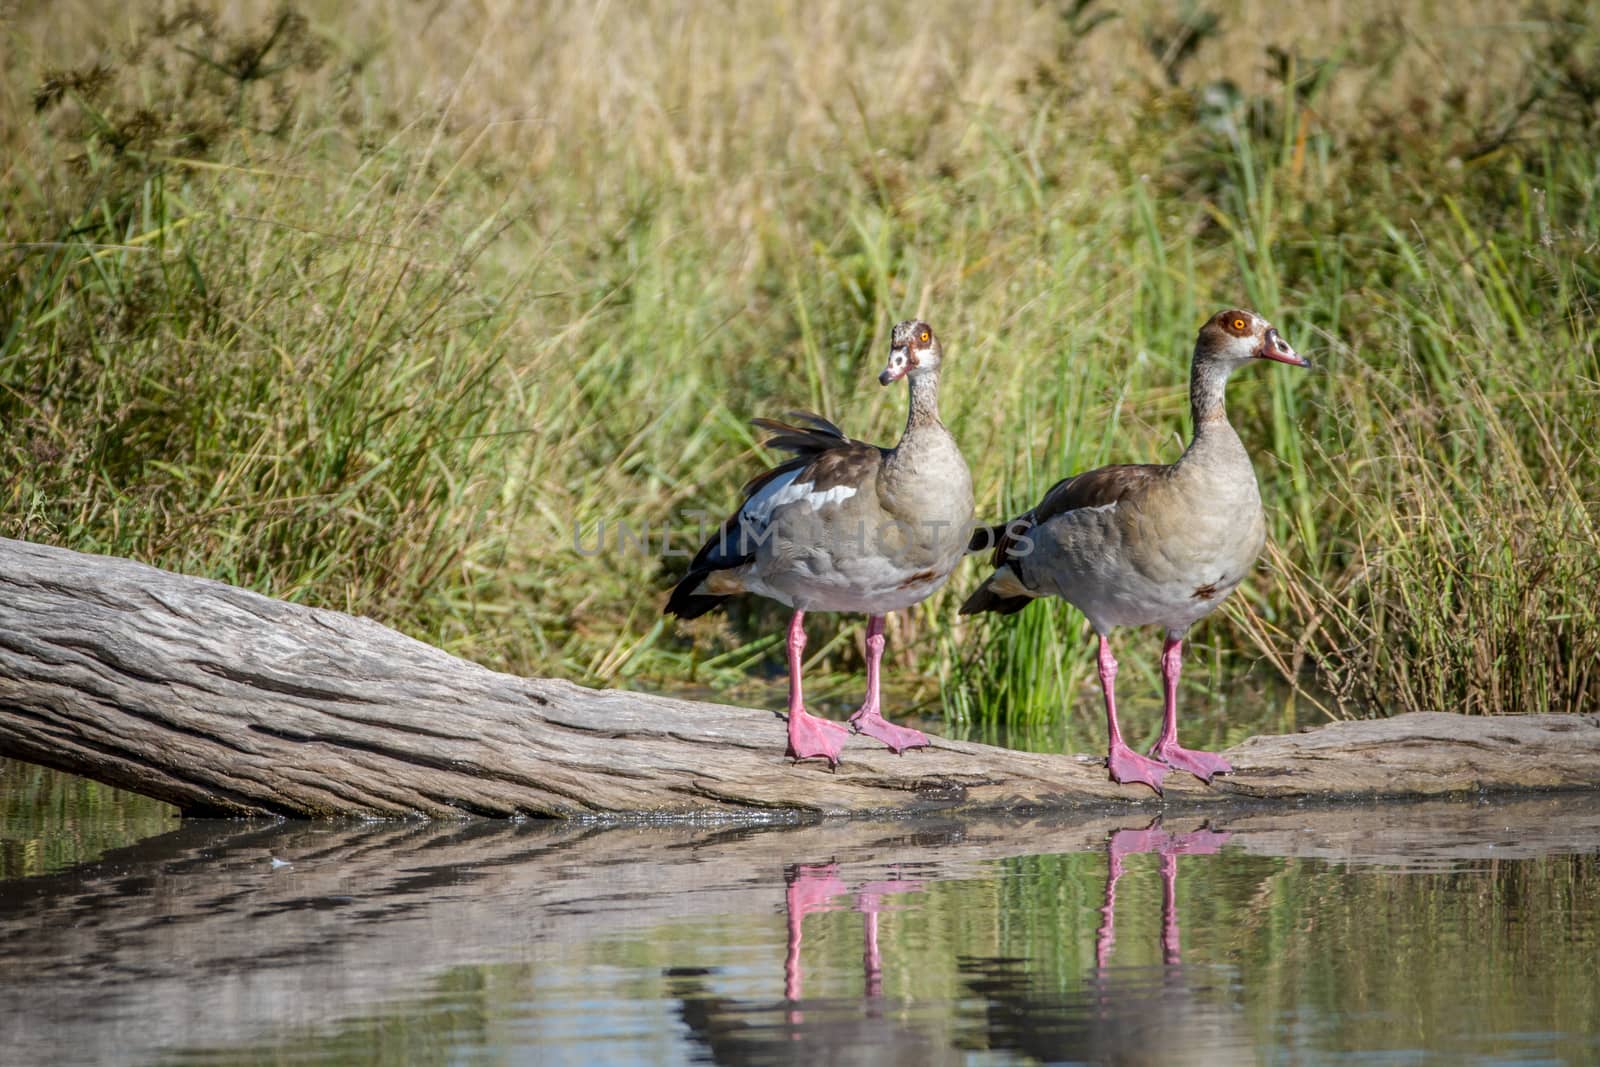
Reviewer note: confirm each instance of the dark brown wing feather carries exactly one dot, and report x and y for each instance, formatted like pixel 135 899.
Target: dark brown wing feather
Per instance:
pixel 807 435
pixel 828 456
pixel 1090 489
pixel 824 456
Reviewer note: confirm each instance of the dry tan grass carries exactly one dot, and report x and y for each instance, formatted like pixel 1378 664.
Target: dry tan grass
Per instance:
pixel 712 210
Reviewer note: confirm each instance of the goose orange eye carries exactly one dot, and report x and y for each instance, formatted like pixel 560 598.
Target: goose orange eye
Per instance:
pixel 1238 324
pixel 926 336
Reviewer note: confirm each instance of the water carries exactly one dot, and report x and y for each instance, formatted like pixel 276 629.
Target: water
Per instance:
pixel 1425 934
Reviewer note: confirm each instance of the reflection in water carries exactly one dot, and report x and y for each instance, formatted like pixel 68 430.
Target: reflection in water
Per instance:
pixel 1168 846
pixel 823 1031
pixel 869 901
pixel 1134 1015
pixel 810 888
pixel 39 828
pixel 1130 1015
pixel 814 888
pixel 1436 933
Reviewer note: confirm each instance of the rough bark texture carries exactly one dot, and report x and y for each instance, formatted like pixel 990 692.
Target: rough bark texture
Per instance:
pixel 222 701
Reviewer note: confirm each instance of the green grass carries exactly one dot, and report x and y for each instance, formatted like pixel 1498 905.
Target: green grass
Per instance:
pixel 388 317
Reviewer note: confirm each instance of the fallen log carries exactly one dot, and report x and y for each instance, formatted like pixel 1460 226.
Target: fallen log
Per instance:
pixel 225 702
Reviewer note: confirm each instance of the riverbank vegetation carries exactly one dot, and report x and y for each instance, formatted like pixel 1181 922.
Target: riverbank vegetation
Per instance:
pixel 455 315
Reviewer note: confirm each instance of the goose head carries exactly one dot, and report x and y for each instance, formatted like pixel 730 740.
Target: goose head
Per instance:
pixel 1236 336
pixel 913 352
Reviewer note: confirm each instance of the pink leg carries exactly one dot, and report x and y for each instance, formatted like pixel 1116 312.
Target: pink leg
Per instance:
pixel 809 736
pixel 869 720
pixel 1202 765
pixel 1126 765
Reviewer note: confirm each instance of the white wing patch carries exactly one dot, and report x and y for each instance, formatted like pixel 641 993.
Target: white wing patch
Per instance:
pixel 819 499
pixel 758 510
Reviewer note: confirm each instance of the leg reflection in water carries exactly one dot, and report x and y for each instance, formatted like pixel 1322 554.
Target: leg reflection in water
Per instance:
pixel 869 901
pixel 1168 846
pixel 1133 1014
pixel 828 1030
pixel 1166 1022
pixel 1150 1012
pixel 813 888
pixel 809 888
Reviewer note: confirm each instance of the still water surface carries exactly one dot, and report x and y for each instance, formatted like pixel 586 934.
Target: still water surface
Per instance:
pixel 1414 934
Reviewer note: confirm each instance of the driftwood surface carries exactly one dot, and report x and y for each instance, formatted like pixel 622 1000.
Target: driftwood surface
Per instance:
pixel 222 701
pixel 227 932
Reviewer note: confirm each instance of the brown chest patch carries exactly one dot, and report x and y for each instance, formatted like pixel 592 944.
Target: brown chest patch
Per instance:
pixel 1205 592
pixel 919 578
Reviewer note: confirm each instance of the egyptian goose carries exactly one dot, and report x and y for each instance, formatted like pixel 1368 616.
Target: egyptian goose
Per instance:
pixel 1141 544
pixel 845 526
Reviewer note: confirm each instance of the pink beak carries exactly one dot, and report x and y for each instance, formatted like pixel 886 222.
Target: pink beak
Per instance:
pixel 1274 347
pixel 899 364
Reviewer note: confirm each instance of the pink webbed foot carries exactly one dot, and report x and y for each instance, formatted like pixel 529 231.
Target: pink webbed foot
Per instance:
pixel 1128 767
pixel 871 722
pixel 1203 765
pixel 811 737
